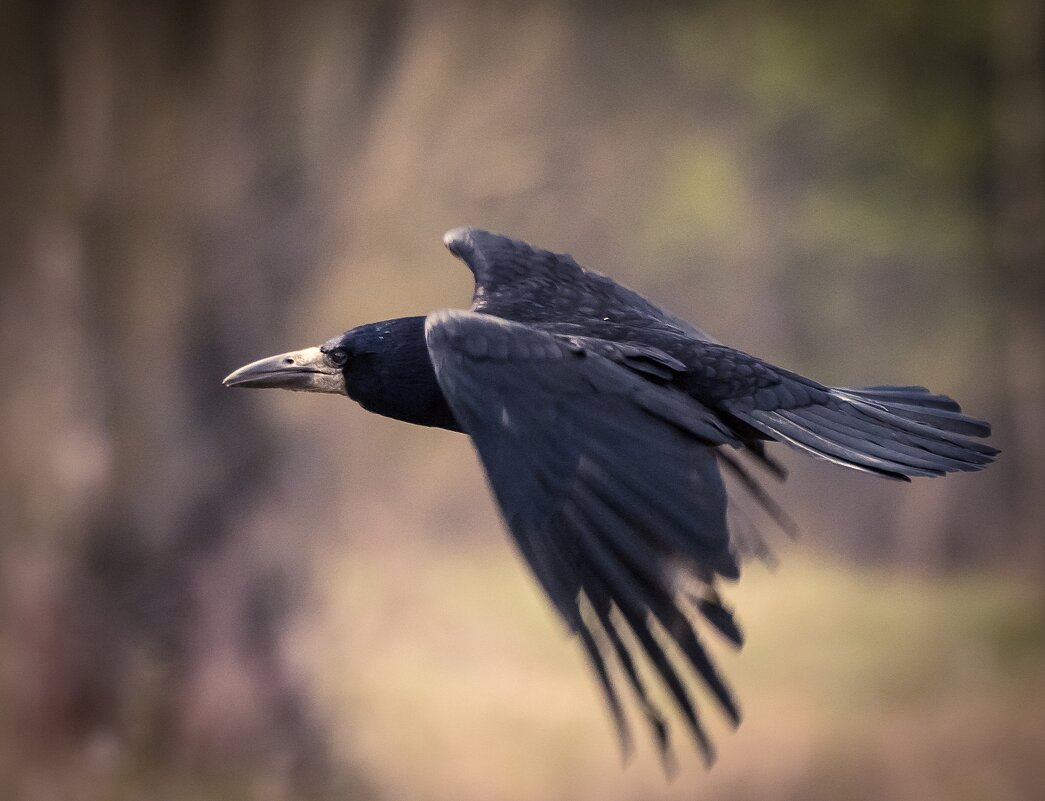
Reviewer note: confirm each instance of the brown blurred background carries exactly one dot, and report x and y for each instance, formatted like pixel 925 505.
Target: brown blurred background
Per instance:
pixel 212 594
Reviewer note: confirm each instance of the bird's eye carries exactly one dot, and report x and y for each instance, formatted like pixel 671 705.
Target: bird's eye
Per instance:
pixel 337 357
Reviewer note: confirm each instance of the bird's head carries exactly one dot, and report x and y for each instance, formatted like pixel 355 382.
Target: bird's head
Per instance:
pixel 384 366
pixel 344 364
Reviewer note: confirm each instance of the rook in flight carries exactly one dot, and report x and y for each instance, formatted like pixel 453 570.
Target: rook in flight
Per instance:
pixel 604 423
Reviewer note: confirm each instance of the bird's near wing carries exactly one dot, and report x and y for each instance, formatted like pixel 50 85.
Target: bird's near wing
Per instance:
pixel 610 487
pixel 896 432
pixel 520 282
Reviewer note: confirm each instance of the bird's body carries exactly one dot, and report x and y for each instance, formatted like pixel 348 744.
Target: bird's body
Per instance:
pixel 603 422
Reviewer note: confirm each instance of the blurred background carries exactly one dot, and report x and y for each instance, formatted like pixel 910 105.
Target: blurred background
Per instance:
pixel 209 594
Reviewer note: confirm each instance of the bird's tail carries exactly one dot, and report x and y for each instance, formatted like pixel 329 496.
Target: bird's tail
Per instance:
pixel 896 432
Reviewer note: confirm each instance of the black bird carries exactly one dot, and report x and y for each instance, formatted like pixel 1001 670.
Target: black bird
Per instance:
pixel 602 422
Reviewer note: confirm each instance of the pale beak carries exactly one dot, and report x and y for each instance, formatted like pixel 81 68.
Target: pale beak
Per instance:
pixel 300 370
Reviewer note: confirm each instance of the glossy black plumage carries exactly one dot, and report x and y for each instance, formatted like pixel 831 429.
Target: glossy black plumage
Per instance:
pixel 602 422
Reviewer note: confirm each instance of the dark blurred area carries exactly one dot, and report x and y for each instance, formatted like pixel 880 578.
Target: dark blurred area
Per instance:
pixel 214 594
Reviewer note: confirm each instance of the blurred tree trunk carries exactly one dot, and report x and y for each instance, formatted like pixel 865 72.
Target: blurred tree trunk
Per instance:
pixel 171 188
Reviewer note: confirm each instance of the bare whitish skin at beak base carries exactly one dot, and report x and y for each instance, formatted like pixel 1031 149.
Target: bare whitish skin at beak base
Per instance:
pixel 300 371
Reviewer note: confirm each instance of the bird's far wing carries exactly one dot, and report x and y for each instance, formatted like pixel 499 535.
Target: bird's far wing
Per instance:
pixel 520 282
pixel 497 261
pixel 609 485
pixel 896 432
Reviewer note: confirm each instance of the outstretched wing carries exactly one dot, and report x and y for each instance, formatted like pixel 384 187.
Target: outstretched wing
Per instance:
pixel 896 432
pixel 610 487
pixel 520 282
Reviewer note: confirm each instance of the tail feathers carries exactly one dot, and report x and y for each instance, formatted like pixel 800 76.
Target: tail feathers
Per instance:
pixel 919 396
pixel 920 405
pixel 896 432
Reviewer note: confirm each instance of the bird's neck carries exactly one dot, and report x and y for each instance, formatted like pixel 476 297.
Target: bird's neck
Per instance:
pixel 391 374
